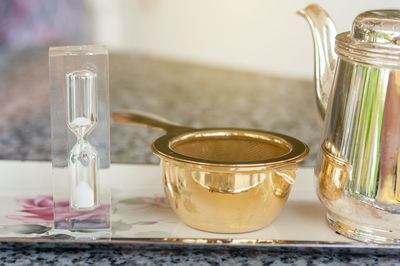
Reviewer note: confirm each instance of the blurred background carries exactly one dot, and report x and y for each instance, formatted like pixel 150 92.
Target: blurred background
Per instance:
pixel 254 35
pixel 200 63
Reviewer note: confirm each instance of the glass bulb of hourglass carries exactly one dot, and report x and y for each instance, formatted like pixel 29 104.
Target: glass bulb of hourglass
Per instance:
pixel 81 102
pixel 83 162
pixel 83 159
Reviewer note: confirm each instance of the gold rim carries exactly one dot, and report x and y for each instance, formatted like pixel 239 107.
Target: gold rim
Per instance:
pixel 298 151
pixel 203 242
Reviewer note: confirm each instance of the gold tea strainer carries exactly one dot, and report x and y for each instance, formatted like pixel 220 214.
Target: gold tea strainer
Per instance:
pixel 225 180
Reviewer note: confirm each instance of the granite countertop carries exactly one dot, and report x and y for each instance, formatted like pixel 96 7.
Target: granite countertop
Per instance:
pixel 108 254
pixel 190 94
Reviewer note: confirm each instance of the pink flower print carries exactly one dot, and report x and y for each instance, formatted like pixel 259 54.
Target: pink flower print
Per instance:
pixel 156 201
pixel 41 209
pixel 65 212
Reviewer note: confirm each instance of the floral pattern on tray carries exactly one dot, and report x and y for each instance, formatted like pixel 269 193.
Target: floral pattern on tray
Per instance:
pixel 35 216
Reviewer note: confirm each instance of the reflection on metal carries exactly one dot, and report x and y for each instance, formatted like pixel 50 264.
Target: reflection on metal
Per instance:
pixel 324 31
pixel 358 168
pixel 218 203
pixel 221 242
pixel 224 180
pixel 333 175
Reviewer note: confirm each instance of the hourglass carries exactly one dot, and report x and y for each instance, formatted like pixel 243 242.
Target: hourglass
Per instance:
pixel 80 140
pixel 83 160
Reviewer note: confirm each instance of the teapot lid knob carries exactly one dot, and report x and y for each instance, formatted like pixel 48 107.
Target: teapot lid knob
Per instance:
pixel 373 40
pixel 377 26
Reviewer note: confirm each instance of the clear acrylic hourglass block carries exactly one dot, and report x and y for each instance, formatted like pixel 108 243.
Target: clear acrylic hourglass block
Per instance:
pixel 80 128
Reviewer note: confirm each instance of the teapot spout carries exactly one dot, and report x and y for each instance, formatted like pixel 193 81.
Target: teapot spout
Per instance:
pixel 323 31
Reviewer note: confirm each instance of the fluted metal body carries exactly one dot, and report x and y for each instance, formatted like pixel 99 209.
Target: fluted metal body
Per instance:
pixel 359 161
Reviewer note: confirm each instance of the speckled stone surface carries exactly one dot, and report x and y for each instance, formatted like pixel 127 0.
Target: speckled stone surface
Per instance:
pixel 107 254
pixel 189 94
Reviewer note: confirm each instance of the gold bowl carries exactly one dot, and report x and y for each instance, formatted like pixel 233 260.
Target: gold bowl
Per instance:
pixel 225 200
pixel 223 180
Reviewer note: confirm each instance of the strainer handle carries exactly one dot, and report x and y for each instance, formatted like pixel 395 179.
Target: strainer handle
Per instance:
pixel 145 119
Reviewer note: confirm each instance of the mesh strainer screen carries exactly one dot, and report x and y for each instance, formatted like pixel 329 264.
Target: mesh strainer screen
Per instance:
pixel 229 147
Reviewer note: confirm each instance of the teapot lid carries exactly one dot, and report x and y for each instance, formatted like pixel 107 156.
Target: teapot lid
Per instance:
pixel 377 26
pixel 374 39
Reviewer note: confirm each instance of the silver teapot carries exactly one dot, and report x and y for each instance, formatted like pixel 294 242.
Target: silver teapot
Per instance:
pixel 357 80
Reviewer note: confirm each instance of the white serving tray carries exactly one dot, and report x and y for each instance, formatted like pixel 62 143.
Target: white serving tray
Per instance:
pixel 141 213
